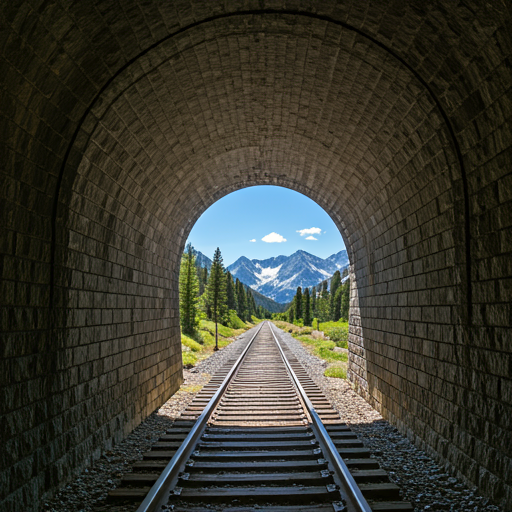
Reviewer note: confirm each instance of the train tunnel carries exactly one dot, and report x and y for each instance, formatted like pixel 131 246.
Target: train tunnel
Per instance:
pixel 122 122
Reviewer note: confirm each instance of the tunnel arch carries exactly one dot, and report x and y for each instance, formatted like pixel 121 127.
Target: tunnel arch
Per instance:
pixel 119 128
pixel 152 150
pixel 126 77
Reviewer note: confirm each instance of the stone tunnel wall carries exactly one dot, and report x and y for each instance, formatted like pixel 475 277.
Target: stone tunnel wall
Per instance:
pixel 120 126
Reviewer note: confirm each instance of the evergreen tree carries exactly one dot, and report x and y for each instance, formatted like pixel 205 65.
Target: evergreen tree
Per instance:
pixel 291 313
pixel 241 300
pixel 307 308
pixel 230 291
pixel 336 304
pixel 202 274
pixel 298 303
pixel 313 303
pixel 323 306
pixel 251 304
pixel 189 289
pixel 216 292
pixel 345 300
pixel 335 284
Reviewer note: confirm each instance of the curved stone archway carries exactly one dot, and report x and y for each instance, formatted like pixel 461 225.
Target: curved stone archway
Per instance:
pixel 142 123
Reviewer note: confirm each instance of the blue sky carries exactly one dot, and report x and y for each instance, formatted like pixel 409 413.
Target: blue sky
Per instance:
pixel 265 221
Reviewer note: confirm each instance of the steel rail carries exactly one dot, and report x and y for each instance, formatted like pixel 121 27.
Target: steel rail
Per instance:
pixel 160 492
pixel 339 465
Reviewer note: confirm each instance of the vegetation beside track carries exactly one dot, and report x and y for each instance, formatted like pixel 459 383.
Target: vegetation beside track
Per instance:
pixel 322 343
pixel 200 345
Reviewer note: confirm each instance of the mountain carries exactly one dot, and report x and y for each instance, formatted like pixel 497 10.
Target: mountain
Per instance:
pixel 202 260
pixel 279 277
pixel 260 300
pixel 268 304
pixel 340 259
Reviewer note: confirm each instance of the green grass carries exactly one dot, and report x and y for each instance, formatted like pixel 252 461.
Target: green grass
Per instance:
pixel 207 325
pixel 331 356
pixel 324 349
pixel 190 343
pixel 234 321
pixel 189 359
pixel 338 372
pixel 336 331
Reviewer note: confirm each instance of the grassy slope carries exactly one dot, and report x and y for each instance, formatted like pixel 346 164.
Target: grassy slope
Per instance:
pixel 200 346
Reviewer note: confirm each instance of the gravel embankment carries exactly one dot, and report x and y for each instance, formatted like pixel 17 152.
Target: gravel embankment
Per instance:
pixel 425 483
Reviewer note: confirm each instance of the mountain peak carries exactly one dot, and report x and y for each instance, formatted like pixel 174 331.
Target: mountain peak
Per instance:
pixel 279 277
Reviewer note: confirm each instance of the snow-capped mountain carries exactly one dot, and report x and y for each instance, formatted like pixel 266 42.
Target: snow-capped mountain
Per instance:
pixel 279 277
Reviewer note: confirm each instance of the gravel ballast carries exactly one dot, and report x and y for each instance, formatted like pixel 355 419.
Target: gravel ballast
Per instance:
pixel 426 484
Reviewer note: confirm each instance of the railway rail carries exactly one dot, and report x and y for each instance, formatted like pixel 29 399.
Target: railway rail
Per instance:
pixel 260 436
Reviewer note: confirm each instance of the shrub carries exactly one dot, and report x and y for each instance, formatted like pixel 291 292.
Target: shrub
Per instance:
pixel 189 359
pixel 234 321
pixel 337 372
pixel 208 338
pixel 190 343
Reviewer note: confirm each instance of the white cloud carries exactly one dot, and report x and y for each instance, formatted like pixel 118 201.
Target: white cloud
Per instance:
pixel 311 238
pixel 253 240
pixel 309 231
pixel 273 237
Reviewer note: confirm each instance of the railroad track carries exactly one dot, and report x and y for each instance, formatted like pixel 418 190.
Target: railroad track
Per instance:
pixel 260 436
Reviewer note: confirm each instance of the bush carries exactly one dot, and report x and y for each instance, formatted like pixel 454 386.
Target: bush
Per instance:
pixel 190 343
pixel 189 359
pixel 208 338
pixel 336 331
pixel 337 372
pixel 234 321
pixel 306 330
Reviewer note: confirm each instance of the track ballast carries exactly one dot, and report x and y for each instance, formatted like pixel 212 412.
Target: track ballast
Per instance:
pixel 260 436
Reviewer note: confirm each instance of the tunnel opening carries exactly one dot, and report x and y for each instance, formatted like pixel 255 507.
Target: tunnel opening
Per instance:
pixel 272 242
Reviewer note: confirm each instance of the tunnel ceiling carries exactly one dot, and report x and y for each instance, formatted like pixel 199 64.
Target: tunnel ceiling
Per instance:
pixel 286 99
pixel 302 103
pixel 211 97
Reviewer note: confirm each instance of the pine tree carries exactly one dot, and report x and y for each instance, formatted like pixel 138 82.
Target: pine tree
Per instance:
pixel 230 291
pixel 345 300
pixel 298 303
pixel 336 308
pixel 313 303
pixel 216 292
pixel 202 274
pixel 241 300
pixel 251 305
pixel 291 313
pixel 335 284
pixel 189 289
pixel 307 310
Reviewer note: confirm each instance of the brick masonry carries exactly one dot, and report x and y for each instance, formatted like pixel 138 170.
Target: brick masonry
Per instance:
pixel 121 123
